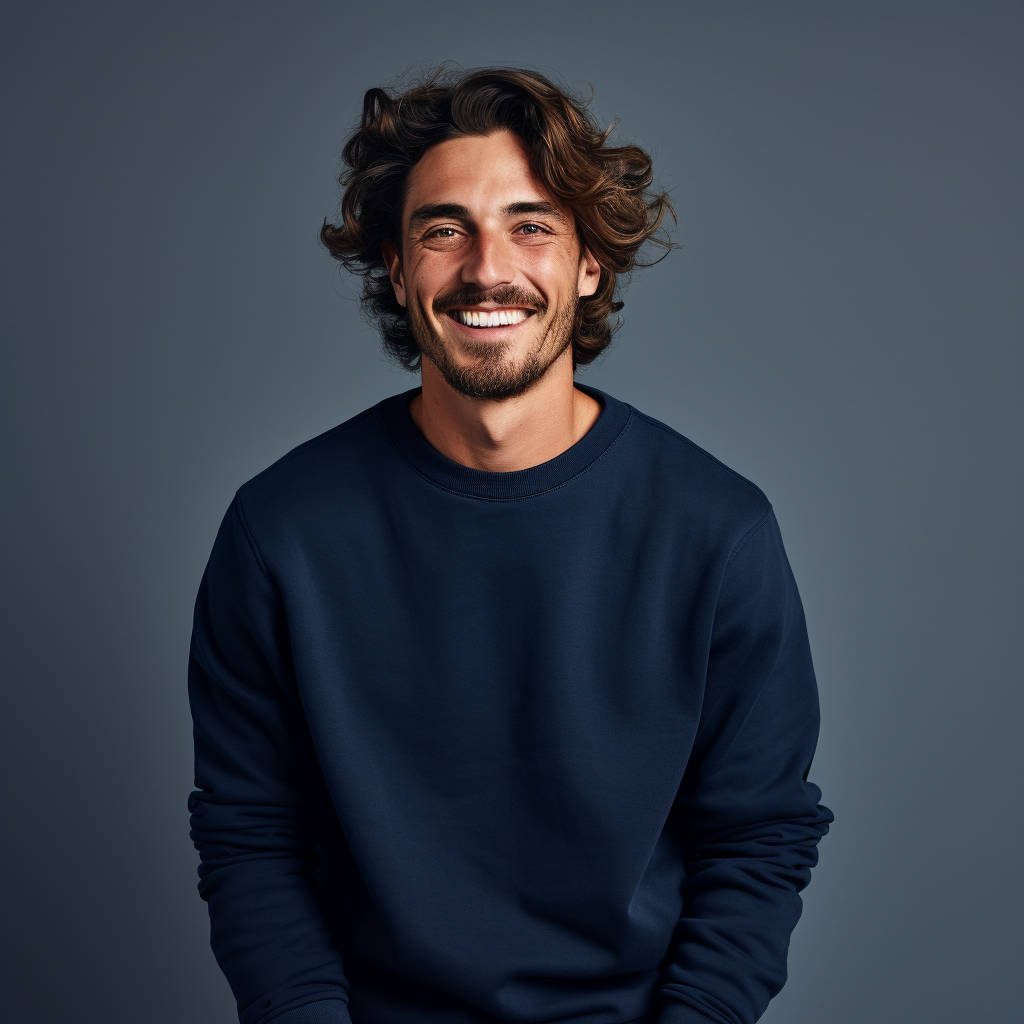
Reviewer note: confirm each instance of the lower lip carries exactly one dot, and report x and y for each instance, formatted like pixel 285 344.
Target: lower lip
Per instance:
pixel 501 331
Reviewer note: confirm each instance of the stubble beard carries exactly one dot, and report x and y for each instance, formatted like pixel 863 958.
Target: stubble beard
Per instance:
pixel 491 372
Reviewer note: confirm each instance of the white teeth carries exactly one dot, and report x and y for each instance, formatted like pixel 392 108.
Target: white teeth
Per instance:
pixel 495 318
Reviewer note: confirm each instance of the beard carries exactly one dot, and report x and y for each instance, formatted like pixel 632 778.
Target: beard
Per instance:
pixel 491 371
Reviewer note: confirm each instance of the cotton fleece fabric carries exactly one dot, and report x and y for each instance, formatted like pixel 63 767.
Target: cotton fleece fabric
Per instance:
pixel 520 747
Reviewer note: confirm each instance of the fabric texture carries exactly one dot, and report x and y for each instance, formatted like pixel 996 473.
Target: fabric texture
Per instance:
pixel 680 1013
pixel 325 1011
pixel 502 747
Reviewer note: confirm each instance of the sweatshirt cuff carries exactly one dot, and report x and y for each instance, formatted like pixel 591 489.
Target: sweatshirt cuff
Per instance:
pixel 325 1011
pixel 674 1012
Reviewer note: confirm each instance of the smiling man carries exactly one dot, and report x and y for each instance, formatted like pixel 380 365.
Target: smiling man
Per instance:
pixel 491 269
pixel 503 700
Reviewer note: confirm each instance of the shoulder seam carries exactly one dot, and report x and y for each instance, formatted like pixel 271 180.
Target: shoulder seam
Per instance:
pixel 248 535
pixel 750 533
pixel 704 719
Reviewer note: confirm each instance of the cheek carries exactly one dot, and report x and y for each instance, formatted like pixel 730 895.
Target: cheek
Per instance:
pixel 553 267
pixel 430 273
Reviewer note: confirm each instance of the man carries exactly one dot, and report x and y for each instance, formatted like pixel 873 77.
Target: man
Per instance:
pixel 503 700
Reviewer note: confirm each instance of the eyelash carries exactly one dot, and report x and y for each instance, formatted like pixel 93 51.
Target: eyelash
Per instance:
pixel 540 229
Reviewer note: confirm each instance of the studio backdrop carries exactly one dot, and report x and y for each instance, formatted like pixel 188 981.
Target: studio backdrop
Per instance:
pixel 841 324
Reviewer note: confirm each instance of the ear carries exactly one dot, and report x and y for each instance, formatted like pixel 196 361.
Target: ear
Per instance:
pixel 590 274
pixel 394 264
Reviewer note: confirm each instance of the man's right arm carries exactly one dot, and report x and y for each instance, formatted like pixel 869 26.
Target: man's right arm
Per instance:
pixel 260 804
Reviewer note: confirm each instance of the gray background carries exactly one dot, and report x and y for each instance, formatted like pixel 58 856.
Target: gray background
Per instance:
pixel 842 325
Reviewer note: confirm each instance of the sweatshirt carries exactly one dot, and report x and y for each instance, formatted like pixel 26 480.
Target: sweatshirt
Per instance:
pixel 502 748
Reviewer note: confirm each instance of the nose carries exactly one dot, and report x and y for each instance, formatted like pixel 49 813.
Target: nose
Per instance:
pixel 488 262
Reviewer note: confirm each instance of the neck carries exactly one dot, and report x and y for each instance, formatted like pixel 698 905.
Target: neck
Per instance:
pixel 508 434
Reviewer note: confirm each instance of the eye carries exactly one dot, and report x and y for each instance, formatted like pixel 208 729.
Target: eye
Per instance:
pixel 531 229
pixel 443 233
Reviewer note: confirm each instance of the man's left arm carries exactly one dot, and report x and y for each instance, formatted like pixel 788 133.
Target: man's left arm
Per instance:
pixel 751 819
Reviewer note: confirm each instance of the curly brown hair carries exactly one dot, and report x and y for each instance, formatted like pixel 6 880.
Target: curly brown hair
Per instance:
pixel 607 188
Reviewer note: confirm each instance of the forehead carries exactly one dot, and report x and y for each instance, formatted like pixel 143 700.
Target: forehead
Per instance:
pixel 481 172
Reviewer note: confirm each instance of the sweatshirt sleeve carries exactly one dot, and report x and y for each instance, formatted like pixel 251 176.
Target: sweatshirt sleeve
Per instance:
pixel 260 804
pixel 751 819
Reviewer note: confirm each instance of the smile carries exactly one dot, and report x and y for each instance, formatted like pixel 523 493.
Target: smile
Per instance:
pixel 489 317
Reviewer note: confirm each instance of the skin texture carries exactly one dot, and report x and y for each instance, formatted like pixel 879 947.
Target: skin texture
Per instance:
pixel 479 232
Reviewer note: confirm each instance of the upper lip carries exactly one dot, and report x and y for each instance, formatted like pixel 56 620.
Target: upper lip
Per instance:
pixel 489 307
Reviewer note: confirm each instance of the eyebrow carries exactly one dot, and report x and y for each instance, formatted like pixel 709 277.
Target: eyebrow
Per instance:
pixel 455 211
pixel 545 209
pixel 435 210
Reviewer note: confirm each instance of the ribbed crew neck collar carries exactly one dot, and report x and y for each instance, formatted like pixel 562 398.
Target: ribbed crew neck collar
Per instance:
pixel 423 457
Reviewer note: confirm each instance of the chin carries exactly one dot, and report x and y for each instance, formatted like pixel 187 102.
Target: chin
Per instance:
pixel 496 376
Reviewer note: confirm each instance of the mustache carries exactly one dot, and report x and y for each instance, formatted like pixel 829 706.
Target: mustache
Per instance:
pixel 505 295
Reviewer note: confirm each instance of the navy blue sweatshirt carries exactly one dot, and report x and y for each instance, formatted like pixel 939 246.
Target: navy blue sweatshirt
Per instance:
pixel 482 747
